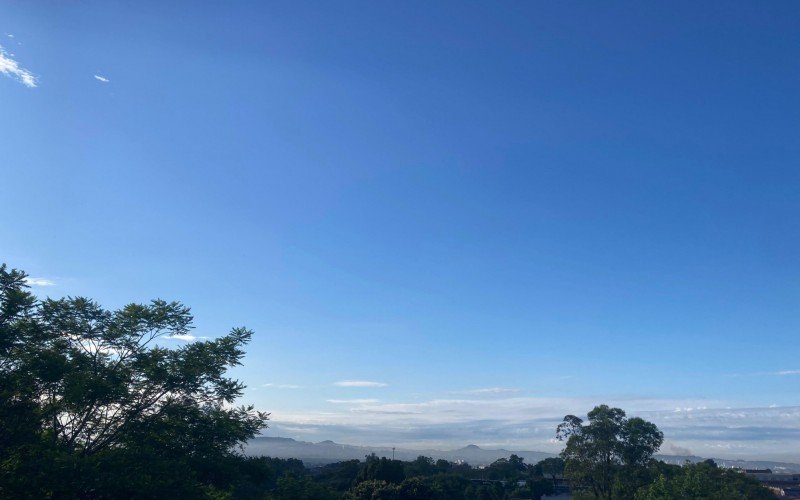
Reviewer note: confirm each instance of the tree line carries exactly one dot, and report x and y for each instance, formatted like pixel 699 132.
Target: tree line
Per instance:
pixel 384 479
pixel 93 406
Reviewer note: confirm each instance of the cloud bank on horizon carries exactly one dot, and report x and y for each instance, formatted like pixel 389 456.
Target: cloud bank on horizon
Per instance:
pixel 701 427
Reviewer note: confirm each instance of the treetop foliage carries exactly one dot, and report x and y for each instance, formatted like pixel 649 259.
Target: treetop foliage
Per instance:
pixel 608 452
pixel 77 380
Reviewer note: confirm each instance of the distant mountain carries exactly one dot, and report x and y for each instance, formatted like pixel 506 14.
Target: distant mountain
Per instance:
pixel 325 452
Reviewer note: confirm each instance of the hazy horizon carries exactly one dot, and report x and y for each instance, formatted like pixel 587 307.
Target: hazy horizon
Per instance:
pixel 446 223
pixel 673 451
pixel 732 433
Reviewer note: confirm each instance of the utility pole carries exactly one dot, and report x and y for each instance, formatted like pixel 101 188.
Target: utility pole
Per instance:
pixel 392 452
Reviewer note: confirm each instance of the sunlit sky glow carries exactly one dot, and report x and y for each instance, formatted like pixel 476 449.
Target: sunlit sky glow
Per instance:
pixel 447 222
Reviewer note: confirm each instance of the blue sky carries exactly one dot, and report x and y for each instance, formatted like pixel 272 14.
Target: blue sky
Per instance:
pixel 495 214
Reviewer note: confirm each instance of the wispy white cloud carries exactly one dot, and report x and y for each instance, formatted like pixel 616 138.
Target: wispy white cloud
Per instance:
pixel 11 67
pixel 282 386
pixel 101 78
pixel 780 373
pixel 359 383
pixel 39 282
pixel 353 401
pixel 185 337
pixel 516 410
pixel 490 390
pixel 300 430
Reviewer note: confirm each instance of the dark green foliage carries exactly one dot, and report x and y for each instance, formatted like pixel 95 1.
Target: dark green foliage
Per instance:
pixel 448 486
pixel 382 469
pixel 509 469
pixel 421 466
pixel 340 476
pixel 610 453
pixel 92 406
pixel 283 479
pixel 417 488
pixel 485 492
pixel 550 469
pixel 534 488
pixel 704 480
pixel 19 411
pixel 426 479
pixel 374 489
pixel 304 488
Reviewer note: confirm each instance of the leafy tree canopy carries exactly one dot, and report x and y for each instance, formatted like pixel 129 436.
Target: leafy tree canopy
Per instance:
pixel 596 451
pixel 82 385
pixel 704 480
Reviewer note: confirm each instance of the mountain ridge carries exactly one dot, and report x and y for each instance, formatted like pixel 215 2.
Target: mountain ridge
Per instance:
pixel 325 452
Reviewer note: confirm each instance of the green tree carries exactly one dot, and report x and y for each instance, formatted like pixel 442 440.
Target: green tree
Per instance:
pixel 704 480
pixel 550 468
pixel 374 489
pixel 417 488
pixel 291 488
pixel 382 469
pixel 609 444
pixel 421 466
pixel 512 469
pixel 484 492
pixel 340 476
pixel 448 486
pixel 19 410
pixel 84 388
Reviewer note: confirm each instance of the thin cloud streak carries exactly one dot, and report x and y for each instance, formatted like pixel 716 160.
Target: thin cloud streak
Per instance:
pixel 10 67
pixel 780 373
pixel 490 390
pixel 352 401
pixel 359 383
pixel 282 386
pixel 39 282
pixel 184 337
pixel 101 78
